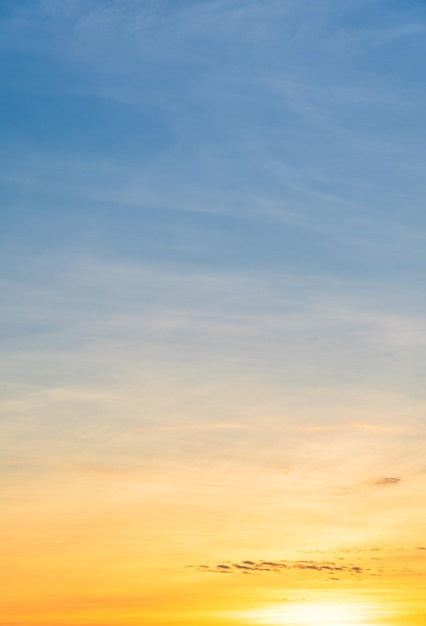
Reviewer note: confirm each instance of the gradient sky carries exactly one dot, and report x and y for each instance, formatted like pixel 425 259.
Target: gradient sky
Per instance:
pixel 213 345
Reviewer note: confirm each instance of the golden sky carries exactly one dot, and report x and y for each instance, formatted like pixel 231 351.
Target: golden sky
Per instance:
pixel 139 517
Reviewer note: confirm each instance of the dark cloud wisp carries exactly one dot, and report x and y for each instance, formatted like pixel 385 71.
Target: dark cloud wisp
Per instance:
pixel 259 567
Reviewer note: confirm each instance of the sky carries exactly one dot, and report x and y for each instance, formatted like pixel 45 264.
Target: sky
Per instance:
pixel 212 241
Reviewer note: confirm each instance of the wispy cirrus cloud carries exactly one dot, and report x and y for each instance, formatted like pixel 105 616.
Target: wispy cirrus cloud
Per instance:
pixel 380 482
pixel 385 481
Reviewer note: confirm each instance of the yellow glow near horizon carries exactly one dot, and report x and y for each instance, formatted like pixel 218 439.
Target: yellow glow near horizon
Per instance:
pixel 316 614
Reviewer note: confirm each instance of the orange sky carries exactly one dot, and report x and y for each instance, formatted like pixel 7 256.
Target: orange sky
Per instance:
pixel 240 524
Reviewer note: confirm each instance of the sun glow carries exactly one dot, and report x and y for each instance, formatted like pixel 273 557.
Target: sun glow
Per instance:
pixel 316 614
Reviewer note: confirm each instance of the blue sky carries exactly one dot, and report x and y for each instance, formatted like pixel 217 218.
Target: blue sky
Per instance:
pixel 214 195
pixel 212 242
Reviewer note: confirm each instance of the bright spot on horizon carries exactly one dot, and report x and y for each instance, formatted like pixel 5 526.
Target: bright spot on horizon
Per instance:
pixel 315 614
